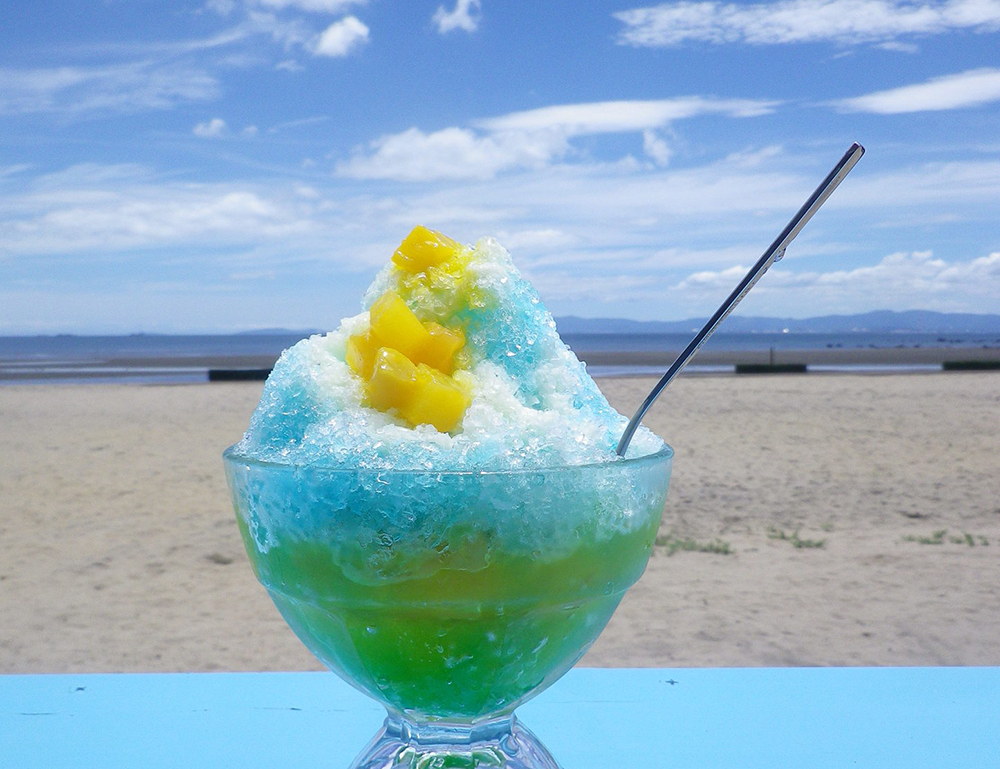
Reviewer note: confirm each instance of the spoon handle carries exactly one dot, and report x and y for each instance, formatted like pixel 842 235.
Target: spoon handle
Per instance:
pixel 773 254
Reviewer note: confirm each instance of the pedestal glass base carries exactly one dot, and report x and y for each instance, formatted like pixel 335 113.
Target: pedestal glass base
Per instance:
pixel 498 744
pixel 451 597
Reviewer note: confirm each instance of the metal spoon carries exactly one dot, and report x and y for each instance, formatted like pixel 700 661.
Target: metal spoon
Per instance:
pixel 773 254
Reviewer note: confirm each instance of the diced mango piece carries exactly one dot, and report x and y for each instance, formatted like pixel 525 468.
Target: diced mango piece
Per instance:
pixel 395 325
pixel 424 248
pixel 440 351
pixel 406 364
pixel 393 382
pixel 361 349
pixel 420 394
pixel 438 400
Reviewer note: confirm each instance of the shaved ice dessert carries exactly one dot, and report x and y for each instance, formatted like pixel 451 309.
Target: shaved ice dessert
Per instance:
pixel 455 364
pixel 432 498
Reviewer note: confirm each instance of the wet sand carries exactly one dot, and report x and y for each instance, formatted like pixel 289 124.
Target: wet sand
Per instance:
pixel 811 520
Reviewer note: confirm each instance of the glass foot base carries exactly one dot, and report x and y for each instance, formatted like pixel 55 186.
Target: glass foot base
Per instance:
pixel 500 744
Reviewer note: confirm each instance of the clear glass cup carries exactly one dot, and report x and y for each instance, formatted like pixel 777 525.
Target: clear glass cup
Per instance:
pixel 450 597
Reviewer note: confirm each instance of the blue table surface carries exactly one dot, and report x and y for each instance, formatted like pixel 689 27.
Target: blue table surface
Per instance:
pixel 677 719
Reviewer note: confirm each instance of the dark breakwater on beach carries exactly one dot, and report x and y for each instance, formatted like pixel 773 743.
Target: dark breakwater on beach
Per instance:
pixel 177 359
pixel 723 342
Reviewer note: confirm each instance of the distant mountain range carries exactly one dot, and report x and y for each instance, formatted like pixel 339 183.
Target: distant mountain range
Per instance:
pixel 877 321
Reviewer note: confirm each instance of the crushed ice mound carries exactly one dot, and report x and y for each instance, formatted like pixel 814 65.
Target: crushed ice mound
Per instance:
pixel 529 402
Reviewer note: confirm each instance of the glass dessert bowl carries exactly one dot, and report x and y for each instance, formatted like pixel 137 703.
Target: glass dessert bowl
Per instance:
pixel 450 597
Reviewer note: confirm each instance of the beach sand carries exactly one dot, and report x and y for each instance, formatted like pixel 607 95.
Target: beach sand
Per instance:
pixel 119 550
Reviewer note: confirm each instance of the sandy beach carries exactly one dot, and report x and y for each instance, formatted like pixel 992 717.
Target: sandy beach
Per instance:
pixel 812 520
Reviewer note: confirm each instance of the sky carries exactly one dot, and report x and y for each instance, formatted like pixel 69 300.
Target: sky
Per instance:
pixel 225 165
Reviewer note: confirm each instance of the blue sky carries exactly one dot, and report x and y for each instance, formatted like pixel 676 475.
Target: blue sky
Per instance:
pixel 237 164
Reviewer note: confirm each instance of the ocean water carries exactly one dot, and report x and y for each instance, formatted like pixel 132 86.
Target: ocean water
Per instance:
pixel 69 347
pixel 134 358
pixel 722 341
pixel 154 358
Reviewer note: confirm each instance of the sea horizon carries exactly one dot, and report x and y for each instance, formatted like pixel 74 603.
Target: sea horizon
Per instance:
pixel 150 358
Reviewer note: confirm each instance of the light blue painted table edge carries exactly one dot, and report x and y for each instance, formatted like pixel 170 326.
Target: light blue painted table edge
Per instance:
pixel 728 718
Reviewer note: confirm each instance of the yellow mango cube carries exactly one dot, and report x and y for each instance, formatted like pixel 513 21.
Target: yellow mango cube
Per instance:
pixel 440 351
pixel 361 349
pixel 393 382
pixel 395 325
pixel 424 248
pixel 438 400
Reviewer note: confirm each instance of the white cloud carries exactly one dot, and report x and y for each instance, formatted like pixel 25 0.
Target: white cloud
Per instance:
pixel 148 51
pixel 128 87
pixel 460 18
pixel 965 89
pixel 655 147
pixel 123 207
pixel 452 153
pixel 300 123
pixel 341 37
pixel 932 184
pixel 286 22
pixel 621 116
pixel 899 46
pixel 529 139
pixel 609 207
pixel 287 32
pixel 643 259
pixel 17 168
pixel 902 280
pixel 221 7
pixel 593 291
pixel 305 191
pixel 312 6
pixel 803 21
pixel 211 129
pixel 753 158
pixel 534 239
pixel 596 238
pixel 744 198
pixel 619 241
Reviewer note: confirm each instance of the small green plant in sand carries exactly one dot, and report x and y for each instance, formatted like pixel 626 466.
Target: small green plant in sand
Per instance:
pixel 941 536
pixel 672 543
pixel 795 539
